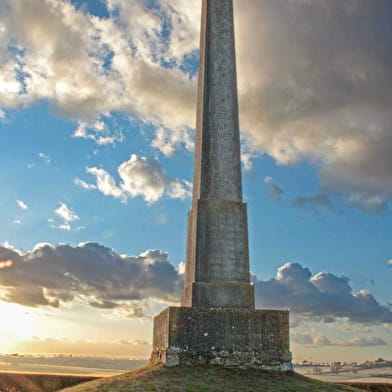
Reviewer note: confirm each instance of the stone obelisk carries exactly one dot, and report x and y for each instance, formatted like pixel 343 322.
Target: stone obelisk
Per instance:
pixel 217 268
pixel 217 321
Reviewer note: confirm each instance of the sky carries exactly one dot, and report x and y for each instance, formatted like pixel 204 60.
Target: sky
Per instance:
pixel 97 115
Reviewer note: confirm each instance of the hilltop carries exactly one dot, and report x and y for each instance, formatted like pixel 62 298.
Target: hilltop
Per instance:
pixel 206 378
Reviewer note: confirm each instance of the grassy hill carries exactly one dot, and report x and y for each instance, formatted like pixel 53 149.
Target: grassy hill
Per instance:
pixel 16 382
pixel 206 378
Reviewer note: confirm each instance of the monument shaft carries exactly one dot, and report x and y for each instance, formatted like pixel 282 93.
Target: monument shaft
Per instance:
pixel 217 273
pixel 217 154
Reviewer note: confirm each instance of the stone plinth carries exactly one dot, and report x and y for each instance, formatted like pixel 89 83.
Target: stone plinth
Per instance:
pixel 230 337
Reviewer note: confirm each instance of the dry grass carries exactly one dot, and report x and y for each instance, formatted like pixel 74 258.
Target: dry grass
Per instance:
pixel 19 382
pixel 206 378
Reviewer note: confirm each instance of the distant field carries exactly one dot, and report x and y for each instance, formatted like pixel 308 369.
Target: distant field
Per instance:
pixel 79 366
pixel 378 375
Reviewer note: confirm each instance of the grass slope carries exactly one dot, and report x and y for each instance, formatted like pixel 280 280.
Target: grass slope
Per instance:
pixel 206 378
pixel 16 382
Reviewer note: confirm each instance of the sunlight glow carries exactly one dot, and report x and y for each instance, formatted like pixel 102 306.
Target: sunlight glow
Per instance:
pixel 16 322
pixel 6 264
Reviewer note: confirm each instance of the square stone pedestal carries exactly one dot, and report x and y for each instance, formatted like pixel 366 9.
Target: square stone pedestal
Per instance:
pixel 230 337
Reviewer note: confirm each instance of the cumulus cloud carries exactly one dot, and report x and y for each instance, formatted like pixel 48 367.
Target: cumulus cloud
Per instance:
pixel 309 88
pixel 321 341
pixel 67 215
pixel 274 190
pixel 22 205
pixel 139 176
pixel 323 295
pixel 56 275
pixel 308 340
pixel 99 132
pixel 300 338
pixel 361 342
pixel 357 341
pixel 168 142
pixel 84 184
pixel 390 262
pixel 90 66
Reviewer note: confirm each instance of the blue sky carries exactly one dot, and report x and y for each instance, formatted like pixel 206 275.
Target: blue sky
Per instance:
pixel 97 109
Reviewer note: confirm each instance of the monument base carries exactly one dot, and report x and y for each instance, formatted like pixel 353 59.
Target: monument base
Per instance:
pixel 229 337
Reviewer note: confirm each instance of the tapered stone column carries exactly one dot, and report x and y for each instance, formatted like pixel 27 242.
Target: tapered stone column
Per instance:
pixel 217 268
pixel 217 322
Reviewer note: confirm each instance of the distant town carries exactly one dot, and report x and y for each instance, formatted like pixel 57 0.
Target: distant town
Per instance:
pixel 338 367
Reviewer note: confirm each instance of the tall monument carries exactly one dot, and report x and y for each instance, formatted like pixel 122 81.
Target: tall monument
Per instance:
pixel 217 321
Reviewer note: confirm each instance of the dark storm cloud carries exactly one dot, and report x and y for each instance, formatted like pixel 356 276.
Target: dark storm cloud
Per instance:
pixel 51 275
pixel 54 275
pixel 323 295
pixel 314 77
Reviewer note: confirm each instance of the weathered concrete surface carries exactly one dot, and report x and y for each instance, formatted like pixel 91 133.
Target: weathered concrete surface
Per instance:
pixel 217 241
pixel 230 295
pixel 230 337
pixel 218 255
pixel 217 173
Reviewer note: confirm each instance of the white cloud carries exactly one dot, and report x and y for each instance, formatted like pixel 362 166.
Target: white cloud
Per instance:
pixel 67 215
pixel 22 205
pixel 2 114
pixel 140 176
pixel 17 221
pixel 309 89
pixel 168 142
pixel 71 68
pixel 84 184
pixel 181 268
pixel 105 182
pixel 390 262
pixel 44 157
pixel 99 132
